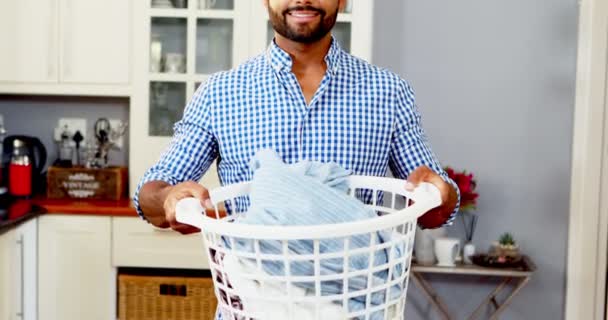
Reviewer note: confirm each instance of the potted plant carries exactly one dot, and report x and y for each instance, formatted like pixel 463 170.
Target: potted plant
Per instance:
pixel 506 246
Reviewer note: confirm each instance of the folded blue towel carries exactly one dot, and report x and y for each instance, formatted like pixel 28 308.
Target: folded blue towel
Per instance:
pixel 313 193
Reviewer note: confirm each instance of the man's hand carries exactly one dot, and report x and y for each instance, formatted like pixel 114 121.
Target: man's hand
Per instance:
pixel 158 199
pixel 440 215
pixel 180 191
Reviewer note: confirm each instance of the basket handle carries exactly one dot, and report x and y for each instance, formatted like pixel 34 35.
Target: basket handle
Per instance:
pixel 426 196
pixel 190 211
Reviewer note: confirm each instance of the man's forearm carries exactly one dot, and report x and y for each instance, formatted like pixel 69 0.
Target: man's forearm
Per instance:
pixel 151 199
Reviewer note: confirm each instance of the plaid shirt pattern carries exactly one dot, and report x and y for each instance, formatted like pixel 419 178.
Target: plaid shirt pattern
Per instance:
pixel 362 117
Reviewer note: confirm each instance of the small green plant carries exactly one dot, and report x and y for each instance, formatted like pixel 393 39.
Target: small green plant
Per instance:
pixel 506 239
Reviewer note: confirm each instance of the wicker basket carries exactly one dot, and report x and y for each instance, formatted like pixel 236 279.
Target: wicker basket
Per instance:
pixel 163 298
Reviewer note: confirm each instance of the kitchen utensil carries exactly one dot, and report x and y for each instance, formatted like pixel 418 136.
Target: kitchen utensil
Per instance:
pixel 102 133
pixel 102 130
pixel 77 138
pixel 65 150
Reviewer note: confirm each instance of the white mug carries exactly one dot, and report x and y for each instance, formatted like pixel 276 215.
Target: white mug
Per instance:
pixel 446 251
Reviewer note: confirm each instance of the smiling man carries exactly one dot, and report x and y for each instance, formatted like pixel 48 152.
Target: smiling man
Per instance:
pixel 306 98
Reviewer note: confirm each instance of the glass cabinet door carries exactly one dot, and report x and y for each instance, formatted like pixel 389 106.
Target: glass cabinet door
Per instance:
pixel 167 101
pixel 214 43
pixel 168 45
pixel 216 4
pixel 188 41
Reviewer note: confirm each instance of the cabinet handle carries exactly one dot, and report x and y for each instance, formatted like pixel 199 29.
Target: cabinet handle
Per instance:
pixel 21 312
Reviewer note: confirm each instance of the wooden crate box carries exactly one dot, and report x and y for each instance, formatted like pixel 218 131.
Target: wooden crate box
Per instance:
pixel 82 183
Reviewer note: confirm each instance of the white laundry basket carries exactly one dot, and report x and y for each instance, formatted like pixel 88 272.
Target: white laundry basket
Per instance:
pixel 251 293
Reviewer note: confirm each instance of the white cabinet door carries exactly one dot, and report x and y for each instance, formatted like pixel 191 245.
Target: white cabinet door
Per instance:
pixel 139 244
pixel 76 280
pixel 18 278
pixel 8 247
pixel 95 41
pixel 26 266
pixel 28 38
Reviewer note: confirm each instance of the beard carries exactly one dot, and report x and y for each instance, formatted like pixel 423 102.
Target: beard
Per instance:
pixel 303 34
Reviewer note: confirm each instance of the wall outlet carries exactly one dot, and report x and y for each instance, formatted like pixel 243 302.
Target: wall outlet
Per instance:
pixel 73 125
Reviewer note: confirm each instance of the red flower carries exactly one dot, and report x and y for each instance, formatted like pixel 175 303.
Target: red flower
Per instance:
pixel 467 184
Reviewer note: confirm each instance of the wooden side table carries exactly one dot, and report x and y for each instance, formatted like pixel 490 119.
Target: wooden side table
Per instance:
pixel 520 276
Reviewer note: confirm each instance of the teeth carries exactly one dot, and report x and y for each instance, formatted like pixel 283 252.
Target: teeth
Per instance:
pixel 301 14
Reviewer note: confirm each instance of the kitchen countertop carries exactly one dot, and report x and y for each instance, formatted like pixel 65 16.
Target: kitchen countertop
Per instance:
pixel 123 207
pixel 21 210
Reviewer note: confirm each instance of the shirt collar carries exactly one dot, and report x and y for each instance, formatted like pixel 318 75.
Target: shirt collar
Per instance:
pixel 279 59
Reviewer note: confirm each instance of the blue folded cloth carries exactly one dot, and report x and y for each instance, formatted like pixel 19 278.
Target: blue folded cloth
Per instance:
pixel 313 193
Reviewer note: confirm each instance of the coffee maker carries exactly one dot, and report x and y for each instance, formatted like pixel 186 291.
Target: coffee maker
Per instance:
pixel 37 153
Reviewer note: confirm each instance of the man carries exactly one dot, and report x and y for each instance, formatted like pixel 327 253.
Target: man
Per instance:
pixel 305 98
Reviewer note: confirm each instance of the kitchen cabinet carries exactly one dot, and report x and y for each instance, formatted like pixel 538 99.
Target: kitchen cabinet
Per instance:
pixel 138 244
pixel 76 279
pixel 8 299
pixel 200 38
pixel 71 47
pixel 29 29
pixel 18 277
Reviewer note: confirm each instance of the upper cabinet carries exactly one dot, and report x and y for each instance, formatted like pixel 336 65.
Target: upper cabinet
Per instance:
pixel 95 40
pixel 29 29
pixel 72 47
pixel 180 43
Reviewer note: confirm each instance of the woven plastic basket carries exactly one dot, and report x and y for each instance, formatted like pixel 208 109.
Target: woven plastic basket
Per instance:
pixel 376 291
pixel 160 298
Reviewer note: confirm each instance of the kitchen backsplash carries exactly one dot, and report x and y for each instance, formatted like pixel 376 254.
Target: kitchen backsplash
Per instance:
pixel 39 115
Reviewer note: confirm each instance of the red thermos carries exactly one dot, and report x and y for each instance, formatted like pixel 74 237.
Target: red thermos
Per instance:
pixel 20 171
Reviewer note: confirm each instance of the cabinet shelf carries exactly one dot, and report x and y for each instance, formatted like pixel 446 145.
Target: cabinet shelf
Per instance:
pixel 168 13
pixel 215 14
pixel 170 77
pixel 173 77
pixel 196 13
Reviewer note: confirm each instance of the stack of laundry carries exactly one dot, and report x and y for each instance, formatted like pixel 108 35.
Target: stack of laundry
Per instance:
pixel 307 193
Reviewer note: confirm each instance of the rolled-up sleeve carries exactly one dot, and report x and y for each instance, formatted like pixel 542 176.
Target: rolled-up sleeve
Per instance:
pixel 410 147
pixel 192 150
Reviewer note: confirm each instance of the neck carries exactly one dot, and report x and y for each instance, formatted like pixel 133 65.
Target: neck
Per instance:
pixel 305 55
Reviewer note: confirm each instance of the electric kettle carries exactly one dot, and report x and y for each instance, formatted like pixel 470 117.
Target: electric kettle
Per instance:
pixel 37 153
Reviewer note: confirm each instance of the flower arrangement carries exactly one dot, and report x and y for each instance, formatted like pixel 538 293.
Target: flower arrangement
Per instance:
pixel 467 184
pixel 468 198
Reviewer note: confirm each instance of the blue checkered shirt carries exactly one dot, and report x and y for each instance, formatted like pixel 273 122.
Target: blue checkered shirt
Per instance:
pixel 361 117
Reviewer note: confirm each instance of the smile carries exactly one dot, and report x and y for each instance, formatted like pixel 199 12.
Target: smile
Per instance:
pixel 303 16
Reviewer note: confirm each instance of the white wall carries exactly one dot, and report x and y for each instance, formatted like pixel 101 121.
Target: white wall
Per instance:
pixel 495 84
